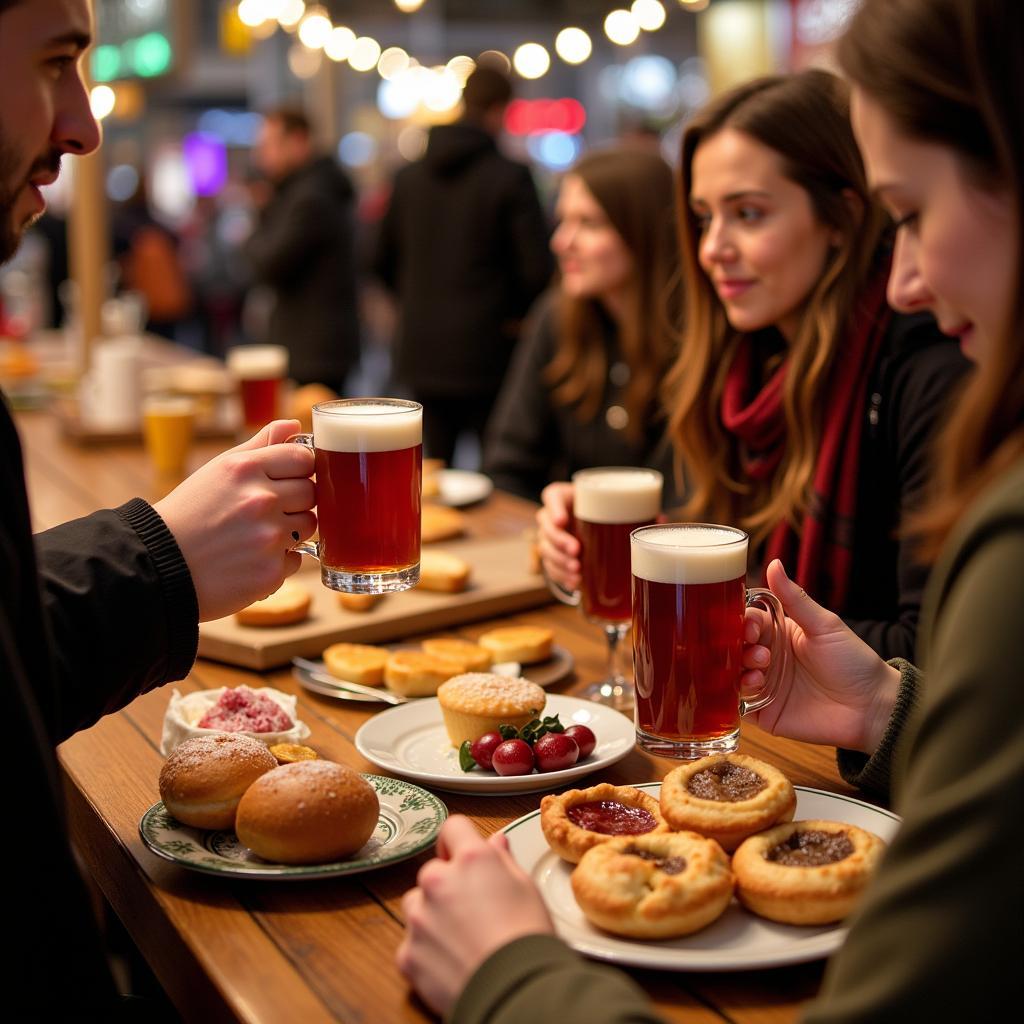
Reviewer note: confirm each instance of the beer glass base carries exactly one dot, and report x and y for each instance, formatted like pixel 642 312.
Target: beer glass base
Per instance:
pixel 687 750
pixel 613 693
pixel 370 582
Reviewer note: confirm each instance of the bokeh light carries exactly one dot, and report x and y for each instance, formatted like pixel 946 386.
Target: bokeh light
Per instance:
pixel 649 14
pixel 393 61
pixel 364 54
pixel 573 45
pixel 621 27
pixel 101 101
pixel 531 60
pixel 339 43
pixel 315 28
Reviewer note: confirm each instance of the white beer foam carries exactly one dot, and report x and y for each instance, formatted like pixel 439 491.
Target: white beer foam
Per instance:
pixel 367 427
pixel 258 362
pixel 689 554
pixel 617 496
pixel 171 405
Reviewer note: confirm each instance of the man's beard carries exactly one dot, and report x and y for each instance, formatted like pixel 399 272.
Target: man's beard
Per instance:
pixel 10 189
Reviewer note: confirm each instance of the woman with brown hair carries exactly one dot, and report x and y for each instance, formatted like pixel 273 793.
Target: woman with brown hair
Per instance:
pixel 582 387
pixel 938 107
pixel 799 406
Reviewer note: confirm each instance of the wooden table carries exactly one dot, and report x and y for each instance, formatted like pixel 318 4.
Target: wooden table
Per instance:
pixel 319 951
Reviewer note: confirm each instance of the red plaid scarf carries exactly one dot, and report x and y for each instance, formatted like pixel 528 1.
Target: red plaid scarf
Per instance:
pixel 819 553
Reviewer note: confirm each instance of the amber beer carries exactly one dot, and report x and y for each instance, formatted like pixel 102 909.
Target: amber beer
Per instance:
pixel 369 457
pixel 689 600
pixel 260 371
pixel 608 505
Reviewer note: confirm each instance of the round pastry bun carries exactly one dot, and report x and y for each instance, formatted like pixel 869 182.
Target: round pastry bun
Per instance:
pixel 310 812
pixel 288 604
pixel 525 644
pixel 204 778
pixel 653 886
pixel 727 821
pixel 473 657
pixel 798 894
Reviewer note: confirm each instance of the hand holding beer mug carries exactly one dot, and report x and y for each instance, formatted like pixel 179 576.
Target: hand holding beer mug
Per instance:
pixel 369 457
pixel 609 503
pixel 689 598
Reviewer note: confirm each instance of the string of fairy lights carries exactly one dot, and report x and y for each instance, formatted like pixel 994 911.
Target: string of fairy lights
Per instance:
pixel 440 86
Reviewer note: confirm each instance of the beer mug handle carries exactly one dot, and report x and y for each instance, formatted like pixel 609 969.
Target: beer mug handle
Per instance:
pixel 569 597
pixel 765 599
pixel 305 547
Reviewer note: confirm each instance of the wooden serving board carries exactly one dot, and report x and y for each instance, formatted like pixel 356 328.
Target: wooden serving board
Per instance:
pixel 501 582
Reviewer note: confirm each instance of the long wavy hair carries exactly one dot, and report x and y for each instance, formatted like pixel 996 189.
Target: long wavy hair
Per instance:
pixel 634 187
pixel 804 118
pixel 947 71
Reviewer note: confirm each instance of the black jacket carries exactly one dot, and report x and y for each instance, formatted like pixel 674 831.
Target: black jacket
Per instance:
pixel 464 247
pixel 91 614
pixel 304 248
pixel 531 442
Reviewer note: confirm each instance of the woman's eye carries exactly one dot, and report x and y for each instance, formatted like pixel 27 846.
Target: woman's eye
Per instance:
pixel 749 213
pixel 906 220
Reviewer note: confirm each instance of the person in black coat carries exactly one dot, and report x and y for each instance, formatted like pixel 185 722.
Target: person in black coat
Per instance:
pixel 98 610
pixel 464 246
pixel 303 248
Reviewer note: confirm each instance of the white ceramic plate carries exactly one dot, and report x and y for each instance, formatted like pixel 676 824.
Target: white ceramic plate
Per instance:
pixel 544 673
pixel 411 741
pixel 463 487
pixel 737 941
pixel 410 819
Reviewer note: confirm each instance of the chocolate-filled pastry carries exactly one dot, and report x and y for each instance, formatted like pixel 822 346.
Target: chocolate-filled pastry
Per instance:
pixel 805 872
pixel 653 886
pixel 579 819
pixel 726 797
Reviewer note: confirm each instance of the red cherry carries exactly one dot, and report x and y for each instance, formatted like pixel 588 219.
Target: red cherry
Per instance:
pixel 482 749
pixel 512 757
pixel 555 751
pixel 585 739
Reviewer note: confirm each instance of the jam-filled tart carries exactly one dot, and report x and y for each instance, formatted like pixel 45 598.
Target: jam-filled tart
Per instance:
pixel 726 797
pixel 805 872
pixel 579 819
pixel 653 886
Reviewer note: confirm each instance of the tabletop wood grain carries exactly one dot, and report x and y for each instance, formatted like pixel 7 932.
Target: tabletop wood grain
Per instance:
pixel 273 952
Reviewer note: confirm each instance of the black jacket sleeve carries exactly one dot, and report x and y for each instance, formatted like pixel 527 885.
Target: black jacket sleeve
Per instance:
pixel 121 609
pixel 290 232
pixel 522 441
pixel 912 391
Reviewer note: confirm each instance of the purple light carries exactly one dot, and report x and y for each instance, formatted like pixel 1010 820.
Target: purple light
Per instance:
pixel 206 159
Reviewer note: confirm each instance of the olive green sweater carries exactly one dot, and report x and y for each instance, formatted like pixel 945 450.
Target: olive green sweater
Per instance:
pixel 940 935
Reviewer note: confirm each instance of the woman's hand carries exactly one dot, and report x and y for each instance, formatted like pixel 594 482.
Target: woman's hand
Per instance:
pixel 835 689
pixel 559 549
pixel 237 518
pixel 471 900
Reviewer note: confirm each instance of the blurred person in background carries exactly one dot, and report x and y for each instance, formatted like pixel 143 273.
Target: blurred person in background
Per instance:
pixel 938 104
pixel 150 263
pixel 800 405
pixel 102 608
pixel 582 389
pixel 464 248
pixel 303 248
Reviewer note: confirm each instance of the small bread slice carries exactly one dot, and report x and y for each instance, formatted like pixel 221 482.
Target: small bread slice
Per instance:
pixel 473 657
pixel 356 663
pixel 525 644
pixel 416 674
pixel 443 572
pixel 438 522
pixel 287 605
pixel 358 602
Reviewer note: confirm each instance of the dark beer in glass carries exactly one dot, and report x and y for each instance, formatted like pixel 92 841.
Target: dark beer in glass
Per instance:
pixel 689 602
pixel 260 371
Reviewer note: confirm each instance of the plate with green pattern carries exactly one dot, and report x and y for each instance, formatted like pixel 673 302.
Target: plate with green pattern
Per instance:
pixel 410 819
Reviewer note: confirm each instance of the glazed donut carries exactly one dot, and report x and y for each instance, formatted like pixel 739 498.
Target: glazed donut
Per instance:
pixel 805 872
pixel 653 886
pixel 309 812
pixel 726 797
pixel 204 777
pixel 579 819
